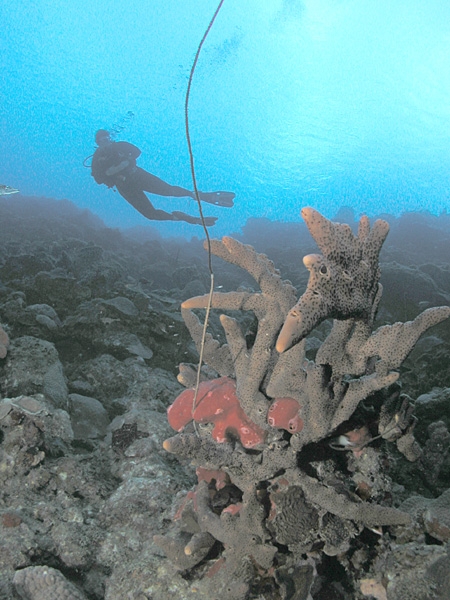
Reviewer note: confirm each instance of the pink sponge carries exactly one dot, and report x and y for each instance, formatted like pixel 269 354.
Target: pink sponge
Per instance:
pixel 216 403
pixel 283 413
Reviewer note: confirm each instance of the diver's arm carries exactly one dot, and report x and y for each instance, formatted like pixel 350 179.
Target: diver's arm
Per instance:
pixel 127 154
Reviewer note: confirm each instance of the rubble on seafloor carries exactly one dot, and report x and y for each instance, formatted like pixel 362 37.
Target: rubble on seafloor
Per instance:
pixel 309 469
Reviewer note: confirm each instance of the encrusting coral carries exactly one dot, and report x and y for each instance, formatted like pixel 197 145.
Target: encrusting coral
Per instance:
pixel 271 491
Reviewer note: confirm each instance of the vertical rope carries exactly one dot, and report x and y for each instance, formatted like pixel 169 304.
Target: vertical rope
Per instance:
pixel 197 197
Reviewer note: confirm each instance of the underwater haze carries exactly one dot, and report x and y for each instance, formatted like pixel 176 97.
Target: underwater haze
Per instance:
pixel 322 103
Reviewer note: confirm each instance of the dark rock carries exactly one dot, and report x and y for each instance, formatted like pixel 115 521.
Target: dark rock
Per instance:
pixel 89 419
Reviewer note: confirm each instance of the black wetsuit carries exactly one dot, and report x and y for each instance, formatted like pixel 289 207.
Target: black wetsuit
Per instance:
pixel 132 181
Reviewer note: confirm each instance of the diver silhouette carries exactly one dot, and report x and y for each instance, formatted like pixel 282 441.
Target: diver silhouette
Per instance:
pixel 114 164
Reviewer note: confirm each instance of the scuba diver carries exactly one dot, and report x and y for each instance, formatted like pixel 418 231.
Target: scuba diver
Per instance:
pixel 114 164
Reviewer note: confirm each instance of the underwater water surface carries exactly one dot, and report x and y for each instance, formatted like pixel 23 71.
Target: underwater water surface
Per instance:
pixel 325 103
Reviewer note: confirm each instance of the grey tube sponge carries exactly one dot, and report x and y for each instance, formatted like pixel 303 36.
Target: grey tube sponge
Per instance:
pixel 343 283
pixel 217 356
pixel 270 306
pixel 283 499
pixel 228 528
pixel 366 513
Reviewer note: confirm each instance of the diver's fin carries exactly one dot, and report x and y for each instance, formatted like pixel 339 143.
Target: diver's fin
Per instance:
pixel 209 221
pixel 218 198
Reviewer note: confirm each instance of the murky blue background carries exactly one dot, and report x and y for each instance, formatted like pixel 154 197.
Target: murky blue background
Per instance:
pixel 317 102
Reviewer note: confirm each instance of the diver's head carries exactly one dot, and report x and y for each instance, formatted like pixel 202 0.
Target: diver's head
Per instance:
pixel 102 137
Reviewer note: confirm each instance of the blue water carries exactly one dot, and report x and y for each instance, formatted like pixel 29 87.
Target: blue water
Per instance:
pixel 317 102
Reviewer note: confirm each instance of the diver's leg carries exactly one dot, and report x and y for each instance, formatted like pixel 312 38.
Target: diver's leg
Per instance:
pixel 142 204
pixel 154 185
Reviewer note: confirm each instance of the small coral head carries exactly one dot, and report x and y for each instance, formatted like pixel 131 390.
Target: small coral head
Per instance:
pixel 284 414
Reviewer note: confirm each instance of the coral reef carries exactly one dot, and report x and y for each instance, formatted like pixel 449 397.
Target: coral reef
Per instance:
pixel 273 496
pixel 95 333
